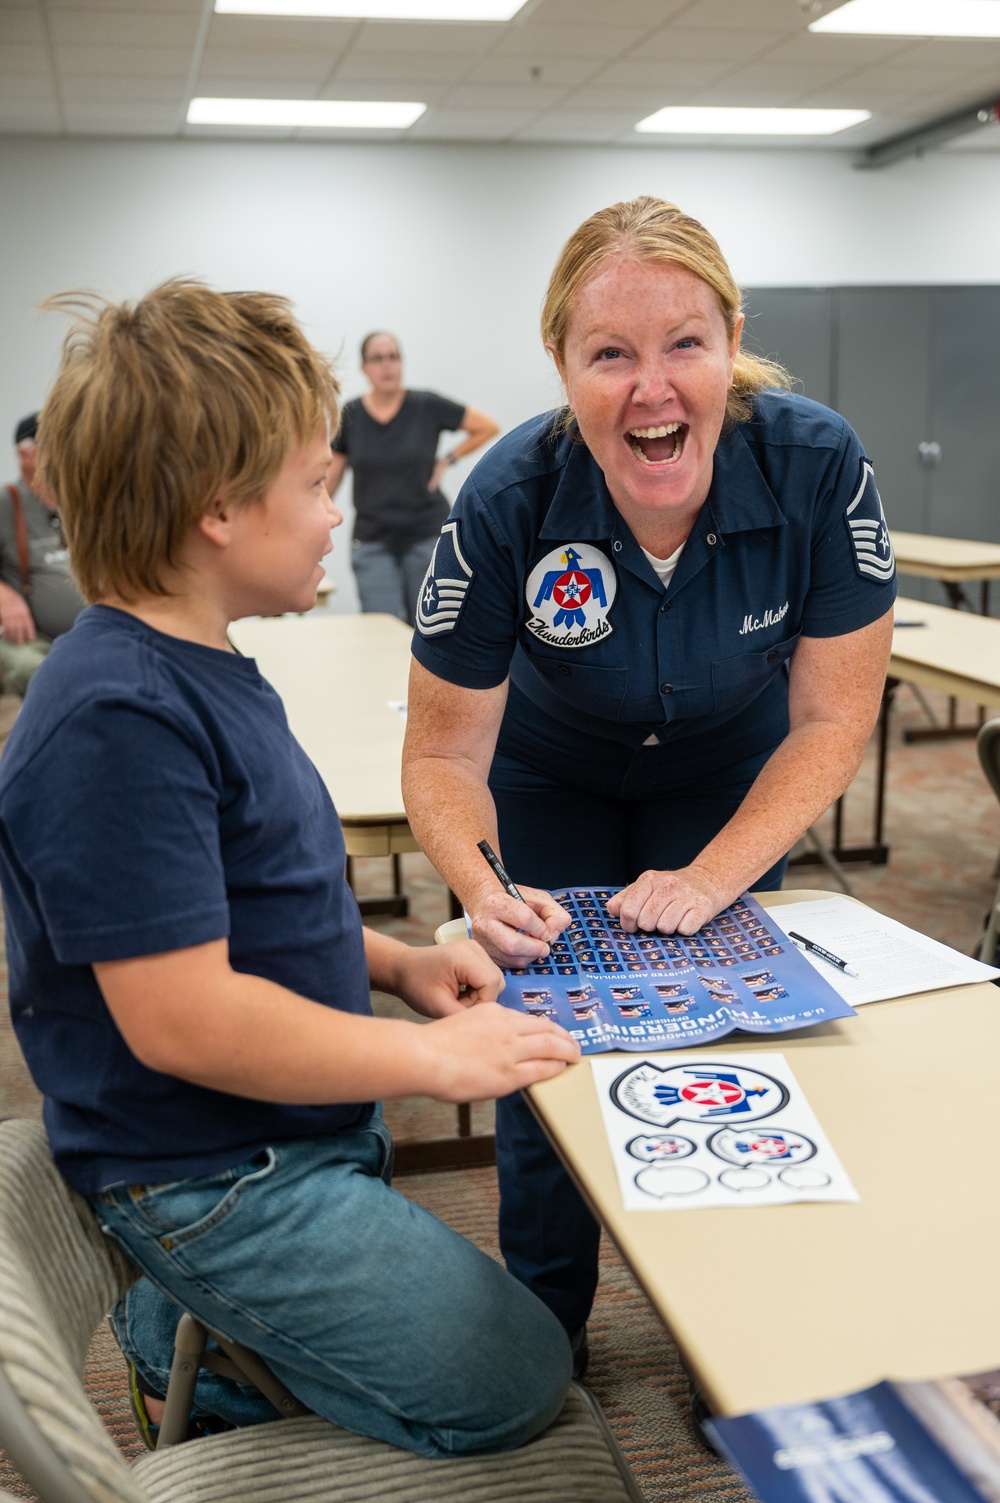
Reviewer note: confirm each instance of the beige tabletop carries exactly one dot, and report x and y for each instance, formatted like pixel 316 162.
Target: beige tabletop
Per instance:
pixel 336 675
pixel 956 651
pixel 952 559
pixel 790 1303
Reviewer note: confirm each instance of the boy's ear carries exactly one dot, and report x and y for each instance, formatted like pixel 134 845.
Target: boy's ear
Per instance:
pixel 217 522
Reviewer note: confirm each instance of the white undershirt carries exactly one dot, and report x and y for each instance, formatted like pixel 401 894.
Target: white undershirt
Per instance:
pixel 663 568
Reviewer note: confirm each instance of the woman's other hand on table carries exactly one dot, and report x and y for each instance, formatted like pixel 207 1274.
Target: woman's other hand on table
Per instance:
pixel 669 902
pixel 513 933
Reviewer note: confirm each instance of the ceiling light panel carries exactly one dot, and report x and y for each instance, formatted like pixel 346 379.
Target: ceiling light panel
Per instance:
pixel 307 114
pixel 913 18
pixel 376 10
pixel 718 120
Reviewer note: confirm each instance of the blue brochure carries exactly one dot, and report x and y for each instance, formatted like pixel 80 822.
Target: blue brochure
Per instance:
pixel 614 990
pixel 935 1442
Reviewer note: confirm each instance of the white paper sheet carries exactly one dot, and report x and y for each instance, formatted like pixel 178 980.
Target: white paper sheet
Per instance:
pixel 891 960
pixel 730 1129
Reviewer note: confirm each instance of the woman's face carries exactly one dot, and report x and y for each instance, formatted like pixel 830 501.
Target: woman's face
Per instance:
pixel 383 364
pixel 647 368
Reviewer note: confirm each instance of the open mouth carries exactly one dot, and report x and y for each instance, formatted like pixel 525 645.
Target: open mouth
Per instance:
pixel 662 445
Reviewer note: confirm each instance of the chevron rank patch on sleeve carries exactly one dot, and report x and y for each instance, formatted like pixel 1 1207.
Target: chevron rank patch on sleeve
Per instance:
pixel 869 534
pixel 443 591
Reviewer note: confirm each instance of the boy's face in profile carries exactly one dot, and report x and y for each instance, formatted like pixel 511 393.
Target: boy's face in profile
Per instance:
pixel 273 563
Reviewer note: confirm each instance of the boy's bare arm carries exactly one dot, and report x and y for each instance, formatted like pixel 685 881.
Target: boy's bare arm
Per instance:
pixel 187 1013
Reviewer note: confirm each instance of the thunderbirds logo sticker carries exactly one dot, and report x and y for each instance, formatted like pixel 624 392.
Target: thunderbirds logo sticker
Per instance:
pixel 865 519
pixel 689 1093
pixel 569 595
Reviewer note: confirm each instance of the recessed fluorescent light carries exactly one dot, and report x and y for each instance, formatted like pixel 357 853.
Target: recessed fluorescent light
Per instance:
pixel 377 10
pixel 710 120
pixel 317 114
pixel 914 18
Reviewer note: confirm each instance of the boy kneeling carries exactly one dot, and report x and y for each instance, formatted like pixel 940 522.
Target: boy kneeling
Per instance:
pixel 189 976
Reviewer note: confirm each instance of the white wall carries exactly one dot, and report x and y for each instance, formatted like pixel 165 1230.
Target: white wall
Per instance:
pixel 448 246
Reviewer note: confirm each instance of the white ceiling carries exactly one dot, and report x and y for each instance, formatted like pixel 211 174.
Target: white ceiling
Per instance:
pixel 567 71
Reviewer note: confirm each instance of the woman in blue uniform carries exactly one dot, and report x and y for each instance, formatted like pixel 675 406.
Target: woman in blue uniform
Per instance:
pixel 650 647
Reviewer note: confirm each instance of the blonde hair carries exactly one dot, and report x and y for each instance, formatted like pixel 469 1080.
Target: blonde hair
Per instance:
pixel 650 229
pixel 157 406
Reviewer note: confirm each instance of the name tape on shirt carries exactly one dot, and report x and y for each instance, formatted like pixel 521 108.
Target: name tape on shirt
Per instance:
pixel 569 594
pixel 865 519
pixel 443 591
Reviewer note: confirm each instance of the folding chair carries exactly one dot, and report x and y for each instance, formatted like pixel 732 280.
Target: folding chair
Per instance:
pixel 59 1276
pixel 988 747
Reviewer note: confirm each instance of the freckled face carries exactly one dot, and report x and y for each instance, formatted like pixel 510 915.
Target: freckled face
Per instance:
pixel 647 368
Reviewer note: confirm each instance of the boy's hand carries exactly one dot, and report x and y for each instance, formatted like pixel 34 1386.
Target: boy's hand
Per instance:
pixel 482 1052
pixel 431 979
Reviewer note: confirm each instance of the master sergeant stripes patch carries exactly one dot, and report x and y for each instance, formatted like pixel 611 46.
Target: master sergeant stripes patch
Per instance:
pixel 866 524
pixel 442 593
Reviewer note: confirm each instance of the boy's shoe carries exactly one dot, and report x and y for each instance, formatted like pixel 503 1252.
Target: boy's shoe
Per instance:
pixel 580 1347
pixel 198 1424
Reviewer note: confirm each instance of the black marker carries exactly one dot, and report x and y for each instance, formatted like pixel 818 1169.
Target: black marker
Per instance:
pixel 498 869
pixel 815 949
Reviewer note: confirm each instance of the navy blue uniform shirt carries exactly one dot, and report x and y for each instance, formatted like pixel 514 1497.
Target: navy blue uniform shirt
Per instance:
pixel 152 797
pixel 536 574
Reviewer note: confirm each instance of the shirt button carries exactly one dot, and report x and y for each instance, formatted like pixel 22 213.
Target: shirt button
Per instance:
pixel 711 540
pixel 772 657
pixel 666 688
pixel 617 546
pixel 665 606
pixel 564 669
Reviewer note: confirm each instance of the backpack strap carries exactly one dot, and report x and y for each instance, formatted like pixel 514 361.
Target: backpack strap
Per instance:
pixel 21 533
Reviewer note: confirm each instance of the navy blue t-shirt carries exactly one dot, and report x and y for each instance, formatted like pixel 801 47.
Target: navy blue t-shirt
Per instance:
pixel 537 575
pixel 152 797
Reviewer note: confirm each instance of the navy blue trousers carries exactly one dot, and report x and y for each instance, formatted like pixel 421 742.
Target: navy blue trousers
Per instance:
pixel 614 820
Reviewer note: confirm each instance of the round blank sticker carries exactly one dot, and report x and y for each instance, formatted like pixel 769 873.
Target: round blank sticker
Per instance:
pixel 804 1177
pixel 662 1180
pixel 744 1179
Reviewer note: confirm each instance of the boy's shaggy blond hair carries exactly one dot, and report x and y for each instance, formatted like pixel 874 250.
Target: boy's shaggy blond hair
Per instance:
pixel 160 405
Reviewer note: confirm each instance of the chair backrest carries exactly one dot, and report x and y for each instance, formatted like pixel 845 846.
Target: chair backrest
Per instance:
pixel 58 1278
pixel 988 747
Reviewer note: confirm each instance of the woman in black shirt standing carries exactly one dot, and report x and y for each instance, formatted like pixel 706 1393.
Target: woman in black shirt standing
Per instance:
pixel 389 437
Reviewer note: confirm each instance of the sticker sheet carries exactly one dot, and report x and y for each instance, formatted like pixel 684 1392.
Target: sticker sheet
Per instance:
pixel 730 1130
pixel 614 990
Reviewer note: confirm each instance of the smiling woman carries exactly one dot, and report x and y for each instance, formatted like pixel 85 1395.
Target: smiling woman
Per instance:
pixel 650 647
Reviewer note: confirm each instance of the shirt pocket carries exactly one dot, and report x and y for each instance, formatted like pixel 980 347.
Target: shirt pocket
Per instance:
pixel 736 681
pixel 587 687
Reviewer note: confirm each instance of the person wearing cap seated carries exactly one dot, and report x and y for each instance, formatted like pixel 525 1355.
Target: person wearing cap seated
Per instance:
pixel 38 599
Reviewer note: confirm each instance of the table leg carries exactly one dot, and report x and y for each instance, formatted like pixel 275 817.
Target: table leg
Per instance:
pixel 393 905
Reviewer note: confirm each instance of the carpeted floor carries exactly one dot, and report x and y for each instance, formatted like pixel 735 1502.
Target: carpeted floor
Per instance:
pixel 943 826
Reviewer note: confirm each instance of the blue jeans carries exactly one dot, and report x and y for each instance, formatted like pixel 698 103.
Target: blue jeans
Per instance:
pixel 374 1313
pixel 389 579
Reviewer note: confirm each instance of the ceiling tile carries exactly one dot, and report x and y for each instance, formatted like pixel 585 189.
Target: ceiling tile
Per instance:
pixel 20 23
pixel 492 97
pixel 21 88
pixel 122 28
pixel 397 36
pixel 309 66
pixel 754 15
pixel 23 57
pixel 634 72
pixel 30 117
pixel 138 119
pixel 384 69
pixel 254 86
pixel 469 125
pixel 639 13
pixel 636 102
pixel 288 33
pixel 675 44
pixel 538 41
pixel 143 62
pixel 516 70
pixel 86 89
pixel 851 52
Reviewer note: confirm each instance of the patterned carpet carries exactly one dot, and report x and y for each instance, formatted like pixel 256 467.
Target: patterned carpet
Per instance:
pixel 943 826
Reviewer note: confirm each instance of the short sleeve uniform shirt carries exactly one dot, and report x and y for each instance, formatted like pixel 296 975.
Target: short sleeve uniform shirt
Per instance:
pixel 392 463
pixel 152 798
pixel 537 575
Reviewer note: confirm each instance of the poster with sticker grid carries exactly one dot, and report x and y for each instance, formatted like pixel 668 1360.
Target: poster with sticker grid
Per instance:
pixel 727 1130
pixel 613 990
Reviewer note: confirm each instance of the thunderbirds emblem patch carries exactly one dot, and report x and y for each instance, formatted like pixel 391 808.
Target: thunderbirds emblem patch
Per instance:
pixel 569 594
pixel 869 534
